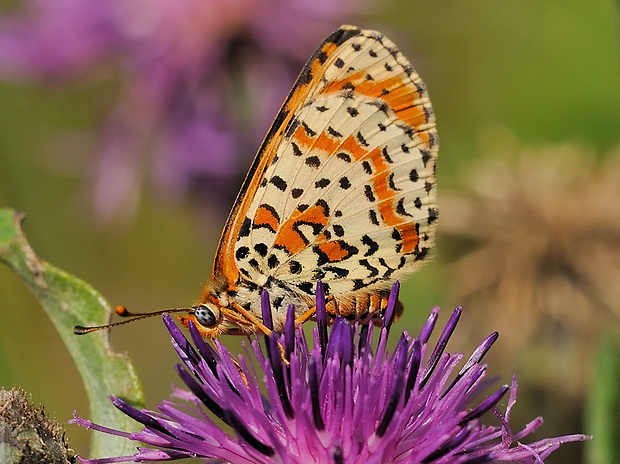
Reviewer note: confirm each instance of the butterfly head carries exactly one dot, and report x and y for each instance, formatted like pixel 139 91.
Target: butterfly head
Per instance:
pixel 214 318
pixel 208 319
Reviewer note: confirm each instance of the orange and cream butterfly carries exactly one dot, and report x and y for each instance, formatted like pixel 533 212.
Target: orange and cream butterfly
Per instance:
pixel 342 190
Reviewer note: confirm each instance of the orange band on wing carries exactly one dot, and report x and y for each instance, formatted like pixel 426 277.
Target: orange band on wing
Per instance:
pixel 267 217
pixel 409 237
pixel 291 238
pixel 325 143
pixel 335 251
pixel 399 95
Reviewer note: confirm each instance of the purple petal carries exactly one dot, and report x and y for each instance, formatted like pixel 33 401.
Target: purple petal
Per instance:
pixel 266 309
pixel 388 318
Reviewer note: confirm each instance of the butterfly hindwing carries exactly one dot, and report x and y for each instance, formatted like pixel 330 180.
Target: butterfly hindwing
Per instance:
pixel 343 187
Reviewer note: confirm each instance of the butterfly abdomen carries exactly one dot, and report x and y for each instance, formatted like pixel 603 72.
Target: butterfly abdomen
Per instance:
pixel 364 308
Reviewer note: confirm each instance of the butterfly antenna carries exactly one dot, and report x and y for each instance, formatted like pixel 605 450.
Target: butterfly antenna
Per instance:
pixel 123 312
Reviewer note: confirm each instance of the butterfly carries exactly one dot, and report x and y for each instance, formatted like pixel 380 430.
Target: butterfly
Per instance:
pixel 342 190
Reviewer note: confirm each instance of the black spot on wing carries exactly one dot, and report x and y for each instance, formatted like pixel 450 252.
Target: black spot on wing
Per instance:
pixel 313 161
pixel 261 249
pixel 389 271
pixel 273 262
pixel 322 183
pixel 279 183
pixel 333 132
pixel 426 155
pixel 242 253
pixel 433 213
pixel 344 157
pixel 244 272
pixel 344 183
pixel 360 138
pixel 306 287
pixel 244 230
pixel 371 244
pixel 339 272
pixel 368 193
pixel 373 270
pixel 341 35
pixel 309 132
pixel 386 155
pixel 372 215
pixel 391 183
pixel 295 267
pixel 400 208
pixel 421 254
pixel 296 150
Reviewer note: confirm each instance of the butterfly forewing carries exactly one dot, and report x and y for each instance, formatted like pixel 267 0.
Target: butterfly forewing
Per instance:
pixel 343 188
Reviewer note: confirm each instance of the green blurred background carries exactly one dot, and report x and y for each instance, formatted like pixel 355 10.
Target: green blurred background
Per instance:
pixel 546 71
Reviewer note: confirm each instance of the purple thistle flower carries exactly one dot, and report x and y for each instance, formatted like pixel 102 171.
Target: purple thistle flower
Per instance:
pixel 339 399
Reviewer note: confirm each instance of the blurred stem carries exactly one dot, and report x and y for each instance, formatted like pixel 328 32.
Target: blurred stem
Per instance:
pixel 603 413
pixel 69 301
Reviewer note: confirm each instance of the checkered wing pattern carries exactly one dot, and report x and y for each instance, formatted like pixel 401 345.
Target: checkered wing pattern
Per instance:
pixel 343 187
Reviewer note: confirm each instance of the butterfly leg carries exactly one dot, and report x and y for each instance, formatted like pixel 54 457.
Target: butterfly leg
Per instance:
pixel 251 318
pixel 305 316
pixel 330 307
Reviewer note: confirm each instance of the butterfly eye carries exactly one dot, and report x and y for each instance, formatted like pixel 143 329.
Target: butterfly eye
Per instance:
pixel 206 316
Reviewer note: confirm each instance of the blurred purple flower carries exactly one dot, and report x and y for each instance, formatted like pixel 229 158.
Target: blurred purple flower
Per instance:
pixel 337 401
pixel 197 74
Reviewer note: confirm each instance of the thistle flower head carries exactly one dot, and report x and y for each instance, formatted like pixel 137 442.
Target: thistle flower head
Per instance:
pixel 340 397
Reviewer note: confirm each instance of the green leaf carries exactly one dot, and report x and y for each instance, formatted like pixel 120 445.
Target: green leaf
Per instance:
pixel 603 408
pixel 70 301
